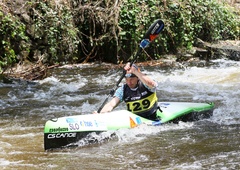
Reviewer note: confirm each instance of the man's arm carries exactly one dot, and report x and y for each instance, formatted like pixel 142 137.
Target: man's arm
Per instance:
pixel 110 105
pixel 146 80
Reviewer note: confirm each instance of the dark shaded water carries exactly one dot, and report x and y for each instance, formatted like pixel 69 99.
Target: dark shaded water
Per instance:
pixel 207 144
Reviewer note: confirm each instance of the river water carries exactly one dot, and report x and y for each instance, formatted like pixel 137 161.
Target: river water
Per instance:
pixel 206 144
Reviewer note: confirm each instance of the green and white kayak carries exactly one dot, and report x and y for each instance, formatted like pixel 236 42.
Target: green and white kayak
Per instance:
pixel 62 132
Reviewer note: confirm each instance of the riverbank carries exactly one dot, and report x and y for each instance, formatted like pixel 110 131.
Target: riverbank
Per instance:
pixel 198 55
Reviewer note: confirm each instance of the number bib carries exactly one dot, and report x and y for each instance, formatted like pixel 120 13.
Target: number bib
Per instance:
pixel 143 104
pixel 141 100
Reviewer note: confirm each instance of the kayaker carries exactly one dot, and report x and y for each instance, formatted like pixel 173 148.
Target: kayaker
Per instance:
pixel 139 93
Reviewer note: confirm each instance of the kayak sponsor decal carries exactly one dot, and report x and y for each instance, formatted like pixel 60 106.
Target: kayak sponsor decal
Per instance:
pixel 138 120
pixel 53 130
pixel 156 123
pixel 71 120
pixel 164 105
pixel 132 123
pixel 61 135
pixel 76 124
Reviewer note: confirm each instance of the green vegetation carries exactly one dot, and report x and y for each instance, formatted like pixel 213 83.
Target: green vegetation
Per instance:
pixel 62 32
pixel 207 20
pixel 185 21
pixel 53 32
pixel 12 39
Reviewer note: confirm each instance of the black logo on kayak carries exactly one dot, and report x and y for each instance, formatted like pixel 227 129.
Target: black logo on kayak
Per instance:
pixel 61 135
pixel 54 130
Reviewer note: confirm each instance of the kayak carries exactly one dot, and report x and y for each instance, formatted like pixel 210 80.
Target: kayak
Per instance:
pixel 65 131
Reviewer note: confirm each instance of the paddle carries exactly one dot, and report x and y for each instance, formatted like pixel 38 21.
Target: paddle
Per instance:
pixel 150 35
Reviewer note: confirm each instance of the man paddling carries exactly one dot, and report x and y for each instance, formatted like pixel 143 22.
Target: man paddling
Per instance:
pixel 139 93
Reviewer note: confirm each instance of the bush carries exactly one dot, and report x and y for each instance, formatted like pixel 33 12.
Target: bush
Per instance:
pixel 207 20
pixel 53 32
pixel 185 21
pixel 12 40
pixel 84 31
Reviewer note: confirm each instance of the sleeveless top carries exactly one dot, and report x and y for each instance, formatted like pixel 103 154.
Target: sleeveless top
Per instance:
pixel 140 101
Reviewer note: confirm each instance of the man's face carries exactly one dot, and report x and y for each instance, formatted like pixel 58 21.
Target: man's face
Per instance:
pixel 131 82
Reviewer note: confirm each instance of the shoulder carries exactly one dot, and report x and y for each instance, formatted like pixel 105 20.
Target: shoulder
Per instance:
pixel 119 92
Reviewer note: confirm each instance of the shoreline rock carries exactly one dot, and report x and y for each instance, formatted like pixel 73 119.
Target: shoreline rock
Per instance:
pixel 223 49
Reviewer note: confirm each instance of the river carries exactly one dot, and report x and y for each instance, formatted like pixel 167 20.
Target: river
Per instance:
pixel 212 143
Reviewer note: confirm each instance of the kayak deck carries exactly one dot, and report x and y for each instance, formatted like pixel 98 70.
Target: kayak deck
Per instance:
pixel 65 131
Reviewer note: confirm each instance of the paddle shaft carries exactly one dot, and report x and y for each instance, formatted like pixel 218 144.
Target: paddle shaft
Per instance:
pixel 151 35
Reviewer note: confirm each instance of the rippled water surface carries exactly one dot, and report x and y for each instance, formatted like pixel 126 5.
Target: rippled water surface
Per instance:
pixel 206 144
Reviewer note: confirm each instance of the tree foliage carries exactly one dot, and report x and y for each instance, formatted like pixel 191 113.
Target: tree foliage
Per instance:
pixel 12 39
pixel 76 31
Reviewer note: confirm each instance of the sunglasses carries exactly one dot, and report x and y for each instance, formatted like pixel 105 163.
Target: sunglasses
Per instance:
pixel 130 75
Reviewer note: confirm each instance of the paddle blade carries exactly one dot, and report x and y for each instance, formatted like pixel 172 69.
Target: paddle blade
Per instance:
pixel 152 33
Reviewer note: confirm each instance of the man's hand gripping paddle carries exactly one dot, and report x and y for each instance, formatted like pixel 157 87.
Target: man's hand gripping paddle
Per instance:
pixel 149 37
